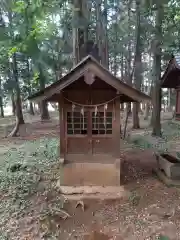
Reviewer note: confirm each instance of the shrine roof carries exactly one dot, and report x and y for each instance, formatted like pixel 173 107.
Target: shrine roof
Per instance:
pixel 171 76
pixel 89 64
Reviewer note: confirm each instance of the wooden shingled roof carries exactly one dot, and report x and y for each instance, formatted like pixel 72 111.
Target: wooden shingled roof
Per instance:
pixel 89 64
pixel 171 76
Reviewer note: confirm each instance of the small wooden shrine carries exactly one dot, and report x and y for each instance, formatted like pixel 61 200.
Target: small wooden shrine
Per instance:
pixel 89 98
pixel 171 79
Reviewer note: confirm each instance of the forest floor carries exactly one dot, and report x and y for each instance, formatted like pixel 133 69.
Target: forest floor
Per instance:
pixel 32 207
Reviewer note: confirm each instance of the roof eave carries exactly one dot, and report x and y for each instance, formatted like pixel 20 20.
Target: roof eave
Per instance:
pixel 94 65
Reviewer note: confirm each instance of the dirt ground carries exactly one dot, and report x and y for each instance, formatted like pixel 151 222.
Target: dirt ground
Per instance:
pixel 152 210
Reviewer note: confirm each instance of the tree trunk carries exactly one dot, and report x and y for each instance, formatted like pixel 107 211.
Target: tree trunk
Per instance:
pixel 116 50
pixel 13 104
pixel 43 105
pixel 1 107
pixel 35 108
pixel 18 106
pixel 105 58
pixel 136 124
pixel 147 111
pixel 99 29
pixel 122 66
pixel 11 65
pixel 138 64
pixel 18 111
pixel 129 77
pixel 79 32
pixel 122 75
pixel 44 111
pixel 1 101
pixel 31 109
pixel 149 91
pixel 156 115
pixel 19 117
pixel 101 32
pixel 152 116
pixel 169 105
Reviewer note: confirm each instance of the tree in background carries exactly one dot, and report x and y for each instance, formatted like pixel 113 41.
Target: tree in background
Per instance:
pixel 157 55
pixel 138 63
pixel 41 40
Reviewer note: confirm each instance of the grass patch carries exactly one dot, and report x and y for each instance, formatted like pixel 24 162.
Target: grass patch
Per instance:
pixel 23 170
pixel 170 132
pixel 141 143
pixel 134 198
pixel 162 237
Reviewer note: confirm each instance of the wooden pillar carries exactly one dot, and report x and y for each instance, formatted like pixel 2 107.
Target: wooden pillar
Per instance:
pixel 62 130
pixel 176 103
pixel 176 106
pixel 116 138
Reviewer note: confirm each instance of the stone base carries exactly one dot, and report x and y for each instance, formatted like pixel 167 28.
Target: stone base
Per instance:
pixel 91 174
pixel 94 192
pixel 168 181
pixel 169 164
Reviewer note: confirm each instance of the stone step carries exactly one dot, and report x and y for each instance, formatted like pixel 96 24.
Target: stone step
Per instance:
pixel 94 192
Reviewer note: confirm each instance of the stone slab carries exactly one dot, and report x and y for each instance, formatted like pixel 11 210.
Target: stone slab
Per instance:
pixel 169 182
pixel 94 192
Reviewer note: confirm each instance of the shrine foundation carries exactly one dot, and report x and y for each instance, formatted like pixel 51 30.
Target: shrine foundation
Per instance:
pixel 91 174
